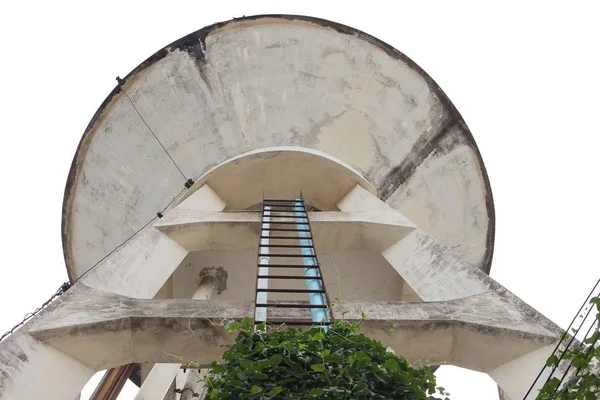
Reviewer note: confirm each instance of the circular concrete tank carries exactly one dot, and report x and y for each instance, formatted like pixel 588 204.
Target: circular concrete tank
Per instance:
pixel 267 82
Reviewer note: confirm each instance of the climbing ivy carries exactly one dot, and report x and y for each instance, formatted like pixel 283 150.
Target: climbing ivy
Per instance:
pixel 585 384
pixel 289 363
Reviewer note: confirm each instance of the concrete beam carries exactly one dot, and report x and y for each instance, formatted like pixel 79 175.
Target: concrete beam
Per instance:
pixel 203 198
pixel 102 330
pixel 162 376
pixel 29 369
pixel 125 271
pixel 195 230
pixel 281 172
pixel 437 273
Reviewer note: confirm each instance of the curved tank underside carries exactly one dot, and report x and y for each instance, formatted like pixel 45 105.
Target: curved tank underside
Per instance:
pixel 265 82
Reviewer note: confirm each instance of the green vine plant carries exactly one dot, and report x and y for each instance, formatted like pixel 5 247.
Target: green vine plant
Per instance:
pixel 584 359
pixel 314 363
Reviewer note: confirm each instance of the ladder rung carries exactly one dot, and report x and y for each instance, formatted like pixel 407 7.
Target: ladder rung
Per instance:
pixel 273 221
pixel 286 237
pixel 285 209
pixel 288 266
pixel 291 215
pixel 274 207
pixel 283 200
pixel 303 322
pixel 287 255
pixel 285 229
pixel 288 246
pixel 290 305
pixel 285 222
pixel 289 277
pixel 267 290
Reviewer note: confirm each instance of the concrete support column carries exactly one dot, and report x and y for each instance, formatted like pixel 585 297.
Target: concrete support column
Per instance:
pixel 192 385
pixel 516 377
pixel 125 272
pixel 161 377
pixel 32 370
pixel 436 273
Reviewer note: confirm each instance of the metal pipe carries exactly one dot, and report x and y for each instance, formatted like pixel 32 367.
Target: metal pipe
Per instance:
pixel 263 283
pixel 206 288
pixel 310 259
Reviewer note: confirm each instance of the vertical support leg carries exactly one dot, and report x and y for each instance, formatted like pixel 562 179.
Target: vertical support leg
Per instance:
pixel 158 382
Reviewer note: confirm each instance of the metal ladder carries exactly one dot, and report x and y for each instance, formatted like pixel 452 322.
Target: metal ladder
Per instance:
pixel 286 237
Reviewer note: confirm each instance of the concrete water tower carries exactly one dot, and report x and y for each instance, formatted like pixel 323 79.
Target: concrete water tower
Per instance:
pixel 164 210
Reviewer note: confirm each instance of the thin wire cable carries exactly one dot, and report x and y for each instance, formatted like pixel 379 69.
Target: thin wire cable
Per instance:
pixel 129 238
pixel 152 132
pixel 563 337
pixel 65 286
pixel 584 337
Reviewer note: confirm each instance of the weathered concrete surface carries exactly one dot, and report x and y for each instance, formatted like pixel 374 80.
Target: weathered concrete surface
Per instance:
pixel 29 368
pixel 446 276
pixel 126 271
pixel 437 273
pixel 102 330
pixel 516 376
pixel 203 198
pixel 157 384
pixel 281 172
pixel 262 82
pixel 162 376
pixel 200 230
pixel 345 273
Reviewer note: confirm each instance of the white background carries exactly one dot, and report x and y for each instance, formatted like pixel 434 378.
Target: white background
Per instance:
pixel 524 75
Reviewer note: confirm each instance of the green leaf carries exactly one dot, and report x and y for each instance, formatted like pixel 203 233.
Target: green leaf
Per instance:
pixel 246 364
pixel 276 359
pixel 318 367
pixel 275 390
pixel 286 363
pixel 255 389
pixel 316 392
pixel 231 326
pixel 391 365
pixel 260 376
pixel 217 368
pixel 246 323
pixel 552 360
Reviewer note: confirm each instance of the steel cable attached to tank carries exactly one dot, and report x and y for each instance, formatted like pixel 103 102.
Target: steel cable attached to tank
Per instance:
pixel 158 215
pixel 65 286
pixel 121 82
